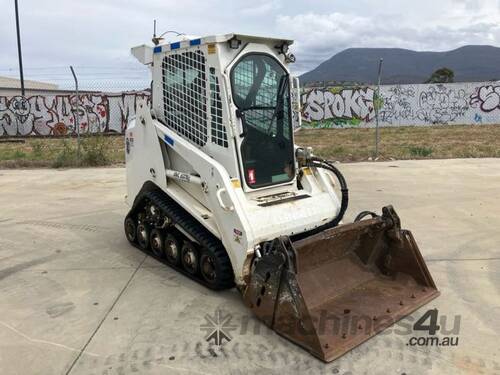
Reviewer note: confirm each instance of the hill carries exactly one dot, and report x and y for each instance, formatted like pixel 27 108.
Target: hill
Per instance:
pixel 470 63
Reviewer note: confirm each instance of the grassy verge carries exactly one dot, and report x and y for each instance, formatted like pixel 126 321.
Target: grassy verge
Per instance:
pixel 437 142
pixel 61 152
pixel 350 144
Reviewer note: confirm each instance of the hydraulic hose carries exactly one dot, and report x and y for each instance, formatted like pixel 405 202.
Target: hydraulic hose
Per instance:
pixel 363 214
pixel 320 163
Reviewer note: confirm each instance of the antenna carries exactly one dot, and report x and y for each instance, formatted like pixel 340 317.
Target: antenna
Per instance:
pixel 157 39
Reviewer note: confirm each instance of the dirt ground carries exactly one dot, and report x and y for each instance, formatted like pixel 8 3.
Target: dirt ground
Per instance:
pixel 76 298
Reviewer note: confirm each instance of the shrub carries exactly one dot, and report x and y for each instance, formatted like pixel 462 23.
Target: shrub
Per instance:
pixel 37 149
pixel 18 154
pixel 420 151
pixel 66 157
pixel 93 153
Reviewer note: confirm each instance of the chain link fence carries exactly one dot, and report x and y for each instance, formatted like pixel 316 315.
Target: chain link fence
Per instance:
pixel 52 105
pixel 107 97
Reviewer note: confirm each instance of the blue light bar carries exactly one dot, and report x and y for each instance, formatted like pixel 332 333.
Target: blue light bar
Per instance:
pixel 175 45
pixel 195 42
pixel 157 49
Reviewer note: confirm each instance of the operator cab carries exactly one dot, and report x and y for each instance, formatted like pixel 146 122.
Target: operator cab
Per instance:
pixel 230 96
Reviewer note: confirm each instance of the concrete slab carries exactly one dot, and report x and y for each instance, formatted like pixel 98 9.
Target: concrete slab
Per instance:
pixel 76 298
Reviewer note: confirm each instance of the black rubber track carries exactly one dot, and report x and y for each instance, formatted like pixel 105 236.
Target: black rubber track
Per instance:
pixel 206 239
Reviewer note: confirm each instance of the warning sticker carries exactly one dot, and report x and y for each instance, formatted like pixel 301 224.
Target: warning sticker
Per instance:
pixel 211 49
pixel 237 235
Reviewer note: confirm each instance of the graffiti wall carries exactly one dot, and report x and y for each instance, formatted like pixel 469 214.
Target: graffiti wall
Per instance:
pixel 397 105
pixel 58 114
pixel 402 105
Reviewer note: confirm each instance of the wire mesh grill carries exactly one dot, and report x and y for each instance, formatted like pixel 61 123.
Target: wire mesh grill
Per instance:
pixel 185 95
pixel 264 119
pixel 218 131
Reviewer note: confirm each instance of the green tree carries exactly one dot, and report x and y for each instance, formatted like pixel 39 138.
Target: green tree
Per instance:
pixel 442 75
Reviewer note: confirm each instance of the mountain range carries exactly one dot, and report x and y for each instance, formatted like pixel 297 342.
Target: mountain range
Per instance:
pixel 472 63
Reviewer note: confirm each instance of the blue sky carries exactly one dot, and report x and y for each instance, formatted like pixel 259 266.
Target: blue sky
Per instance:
pixel 96 35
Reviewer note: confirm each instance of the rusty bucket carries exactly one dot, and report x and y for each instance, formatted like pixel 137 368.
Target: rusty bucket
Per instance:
pixel 331 291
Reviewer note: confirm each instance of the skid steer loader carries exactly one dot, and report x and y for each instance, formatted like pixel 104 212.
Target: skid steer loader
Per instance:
pixel 220 192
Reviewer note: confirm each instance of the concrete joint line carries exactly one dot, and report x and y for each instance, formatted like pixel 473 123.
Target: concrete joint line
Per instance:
pixel 105 316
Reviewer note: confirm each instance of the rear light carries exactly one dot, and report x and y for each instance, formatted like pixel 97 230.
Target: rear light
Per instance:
pixel 251 176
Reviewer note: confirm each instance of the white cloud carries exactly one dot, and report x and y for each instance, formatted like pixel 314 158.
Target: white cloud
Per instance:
pixel 319 36
pixel 100 33
pixel 262 8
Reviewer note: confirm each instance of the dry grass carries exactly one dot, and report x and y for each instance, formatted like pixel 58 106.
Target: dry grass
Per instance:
pixel 437 142
pixel 348 144
pixel 61 152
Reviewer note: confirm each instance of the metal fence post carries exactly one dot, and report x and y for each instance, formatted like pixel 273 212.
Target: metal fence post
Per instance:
pixel 376 107
pixel 20 55
pixel 77 117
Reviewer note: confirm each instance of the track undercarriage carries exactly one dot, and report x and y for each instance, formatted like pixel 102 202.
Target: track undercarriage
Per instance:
pixel 158 225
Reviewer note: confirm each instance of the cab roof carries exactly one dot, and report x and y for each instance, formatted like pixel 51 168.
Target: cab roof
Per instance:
pixel 218 39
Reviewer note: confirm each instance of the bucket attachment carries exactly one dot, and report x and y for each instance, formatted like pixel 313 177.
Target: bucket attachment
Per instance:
pixel 331 291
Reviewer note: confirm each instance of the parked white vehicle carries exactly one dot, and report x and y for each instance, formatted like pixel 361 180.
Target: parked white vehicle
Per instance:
pixel 220 192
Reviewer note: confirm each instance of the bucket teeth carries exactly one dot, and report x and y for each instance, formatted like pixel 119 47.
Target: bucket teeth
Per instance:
pixel 331 291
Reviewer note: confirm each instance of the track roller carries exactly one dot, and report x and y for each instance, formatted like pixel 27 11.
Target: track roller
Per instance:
pixel 143 236
pixel 172 249
pixel 190 257
pixel 212 268
pixel 156 241
pixel 130 229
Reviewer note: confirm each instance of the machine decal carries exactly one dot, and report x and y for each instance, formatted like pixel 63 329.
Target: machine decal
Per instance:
pixel 237 235
pixel 182 176
pixel 251 175
pixel 129 142
pixel 169 140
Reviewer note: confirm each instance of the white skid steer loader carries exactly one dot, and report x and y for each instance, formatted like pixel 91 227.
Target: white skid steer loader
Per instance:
pixel 219 191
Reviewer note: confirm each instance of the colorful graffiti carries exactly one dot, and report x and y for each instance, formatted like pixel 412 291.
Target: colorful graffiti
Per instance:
pixel 342 105
pixel 58 114
pixel 401 105
pixel 398 105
